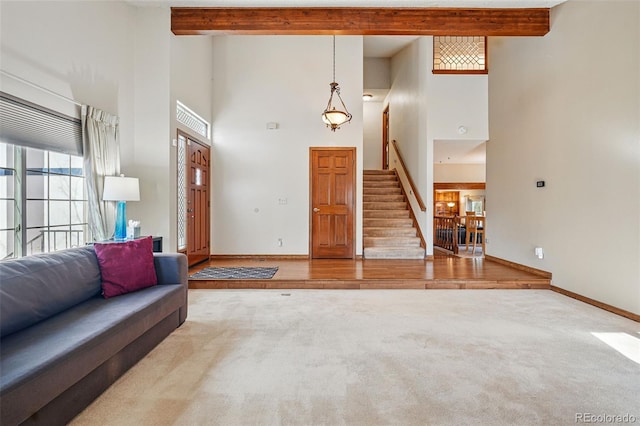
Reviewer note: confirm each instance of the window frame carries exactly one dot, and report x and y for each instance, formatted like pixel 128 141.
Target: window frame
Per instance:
pixel 469 72
pixel 23 246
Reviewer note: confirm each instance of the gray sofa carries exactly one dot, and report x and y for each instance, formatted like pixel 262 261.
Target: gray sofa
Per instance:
pixel 62 344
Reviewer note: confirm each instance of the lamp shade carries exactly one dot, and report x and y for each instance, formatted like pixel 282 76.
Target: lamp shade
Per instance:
pixel 121 188
pixel 335 117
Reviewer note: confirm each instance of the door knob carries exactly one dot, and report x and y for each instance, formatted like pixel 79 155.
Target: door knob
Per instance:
pixel 316 210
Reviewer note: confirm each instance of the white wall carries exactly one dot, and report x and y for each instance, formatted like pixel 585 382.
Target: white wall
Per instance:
pixel 459 173
pixel 565 108
pixel 408 108
pixel 454 101
pixel 114 57
pixel 424 107
pixel 148 157
pixel 191 84
pixel 372 136
pixel 376 73
pixel 457 100
pixel 192 75
pixel 71 48
pixel 281 79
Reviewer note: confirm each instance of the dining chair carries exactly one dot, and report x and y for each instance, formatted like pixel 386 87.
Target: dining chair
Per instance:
pixel 475 229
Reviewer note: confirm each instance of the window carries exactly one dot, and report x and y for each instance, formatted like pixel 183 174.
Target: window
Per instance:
pixel 459 55
pixel 42 193
pixel 475 203
pixel 42 200
pixel 182 192
pixel 193 121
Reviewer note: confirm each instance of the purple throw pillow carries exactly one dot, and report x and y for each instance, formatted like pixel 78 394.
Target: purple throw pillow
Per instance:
pixel 126 267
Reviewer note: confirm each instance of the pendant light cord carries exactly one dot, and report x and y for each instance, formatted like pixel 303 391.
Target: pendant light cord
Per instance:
pixel 334 58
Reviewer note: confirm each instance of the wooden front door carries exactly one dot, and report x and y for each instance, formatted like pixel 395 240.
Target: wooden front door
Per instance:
pixel 332 196
pixel 198 205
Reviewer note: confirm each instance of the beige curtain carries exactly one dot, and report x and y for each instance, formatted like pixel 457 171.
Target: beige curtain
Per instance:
pixel 101 151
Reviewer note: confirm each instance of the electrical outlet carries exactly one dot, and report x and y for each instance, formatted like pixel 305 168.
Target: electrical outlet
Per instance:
pixel 279 242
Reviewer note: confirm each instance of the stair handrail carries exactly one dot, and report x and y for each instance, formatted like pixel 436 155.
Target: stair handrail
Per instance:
pixel 406 172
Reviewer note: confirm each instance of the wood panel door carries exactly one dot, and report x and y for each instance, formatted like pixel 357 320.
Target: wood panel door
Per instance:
pixel 332 199
pixel 198 202
pixel 385 138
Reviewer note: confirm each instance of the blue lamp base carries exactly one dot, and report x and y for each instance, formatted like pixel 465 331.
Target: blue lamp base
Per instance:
pixel 121 222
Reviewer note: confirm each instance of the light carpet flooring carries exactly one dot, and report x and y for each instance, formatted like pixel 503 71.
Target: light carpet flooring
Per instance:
pixel 381 357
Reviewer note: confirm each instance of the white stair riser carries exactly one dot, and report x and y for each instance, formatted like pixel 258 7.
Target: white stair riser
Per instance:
pixel 394 253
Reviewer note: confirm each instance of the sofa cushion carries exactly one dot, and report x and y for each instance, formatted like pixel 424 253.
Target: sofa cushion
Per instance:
pixel 34 288
pixel 126 267
pixel 44 360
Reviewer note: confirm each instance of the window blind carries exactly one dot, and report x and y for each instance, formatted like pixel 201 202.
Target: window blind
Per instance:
pixel 26 124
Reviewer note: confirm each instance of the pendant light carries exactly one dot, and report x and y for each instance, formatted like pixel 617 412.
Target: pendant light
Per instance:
pixel 332 117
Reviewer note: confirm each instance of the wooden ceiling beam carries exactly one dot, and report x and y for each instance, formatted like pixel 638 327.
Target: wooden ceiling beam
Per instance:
pixel 446 186
pixel 359 21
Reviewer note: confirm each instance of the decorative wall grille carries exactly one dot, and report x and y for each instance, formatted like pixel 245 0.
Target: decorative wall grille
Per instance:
pixel 459 54
pixel 182 193
pixel 192 120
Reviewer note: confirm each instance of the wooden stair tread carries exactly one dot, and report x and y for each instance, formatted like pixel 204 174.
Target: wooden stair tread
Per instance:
pixel 388 231
pixel 388 223
pixel 381 214
pixel 378 172
pixel 385 205
pixel 381 198
pixel 382 191
pixel 394 241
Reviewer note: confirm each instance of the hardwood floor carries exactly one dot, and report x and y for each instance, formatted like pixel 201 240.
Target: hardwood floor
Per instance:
pixel 439 273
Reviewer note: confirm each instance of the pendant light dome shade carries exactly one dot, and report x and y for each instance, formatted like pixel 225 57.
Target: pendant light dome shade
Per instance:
pixel 335 117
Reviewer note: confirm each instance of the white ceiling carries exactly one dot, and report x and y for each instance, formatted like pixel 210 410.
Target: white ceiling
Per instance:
pixel 385 46
pixel 374 46
pixel 459 152
pixel 351 3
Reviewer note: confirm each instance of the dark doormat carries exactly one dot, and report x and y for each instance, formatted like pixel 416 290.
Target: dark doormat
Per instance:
pixel 235 273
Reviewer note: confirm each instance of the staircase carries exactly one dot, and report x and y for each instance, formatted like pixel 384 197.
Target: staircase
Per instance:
pixel 388 230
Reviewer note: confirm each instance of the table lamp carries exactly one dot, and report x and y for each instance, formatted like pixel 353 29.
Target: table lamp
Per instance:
pixel 121 189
